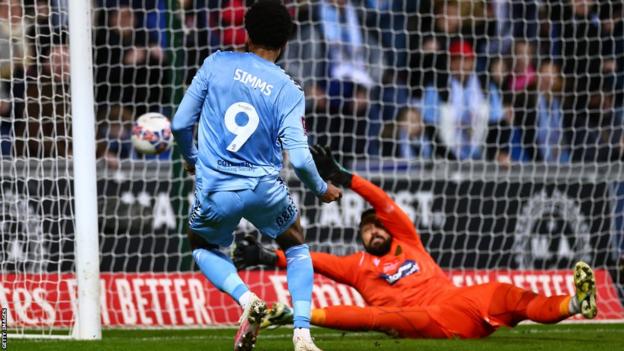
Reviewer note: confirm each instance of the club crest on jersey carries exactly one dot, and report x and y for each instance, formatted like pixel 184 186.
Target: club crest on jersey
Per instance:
pixel 408 267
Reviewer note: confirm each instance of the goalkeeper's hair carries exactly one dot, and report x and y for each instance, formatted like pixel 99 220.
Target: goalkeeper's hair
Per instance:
pixel 269 24
pixel 369 216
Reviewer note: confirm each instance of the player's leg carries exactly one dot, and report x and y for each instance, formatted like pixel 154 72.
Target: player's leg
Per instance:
pixel 299 271
pixel 397 321
pixel 211 227
pixel 275 214
pixel 209 230
pixel 513 305
pixel 510 305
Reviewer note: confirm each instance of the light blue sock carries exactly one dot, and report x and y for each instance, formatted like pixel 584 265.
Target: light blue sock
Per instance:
pixel 220 270
pixel 300 276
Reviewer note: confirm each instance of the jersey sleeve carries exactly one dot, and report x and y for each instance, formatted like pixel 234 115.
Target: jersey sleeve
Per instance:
pixel 189 111
pixel 291 105
pixel 338 268
pixel 396 221
pixel 293 138
pixel 303 163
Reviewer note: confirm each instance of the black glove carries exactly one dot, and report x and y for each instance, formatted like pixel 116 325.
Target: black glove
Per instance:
pixel 249 252
pixel 329 168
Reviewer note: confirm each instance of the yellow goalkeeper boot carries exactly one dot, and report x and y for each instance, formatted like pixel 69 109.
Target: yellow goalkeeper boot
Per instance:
pixel 585 283
pixel 249 324
pixel 279 314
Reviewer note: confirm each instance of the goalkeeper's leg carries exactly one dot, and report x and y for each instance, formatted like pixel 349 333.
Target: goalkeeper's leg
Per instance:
pixel 437 321
pixel 410 322
pixel 512 305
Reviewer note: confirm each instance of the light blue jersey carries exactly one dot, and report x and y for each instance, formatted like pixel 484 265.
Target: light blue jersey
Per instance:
pixel 248 110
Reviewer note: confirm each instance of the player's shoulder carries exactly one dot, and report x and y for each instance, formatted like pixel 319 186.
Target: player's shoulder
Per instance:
pixel 290 81
pixel 290 88
pixel 219 61
pixel 217 56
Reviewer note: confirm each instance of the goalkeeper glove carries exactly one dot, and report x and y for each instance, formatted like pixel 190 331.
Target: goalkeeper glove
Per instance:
pixel 329 168
pixel 249 252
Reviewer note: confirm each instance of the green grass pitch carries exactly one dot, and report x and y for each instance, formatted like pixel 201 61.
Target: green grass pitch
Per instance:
pixel 567 337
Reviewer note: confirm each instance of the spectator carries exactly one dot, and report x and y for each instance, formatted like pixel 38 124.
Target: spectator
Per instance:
pixel 523 72
pixel 14 50
pixel 114 129
pixel 406 137
pixel 194 21
pixel 467 121
pixel 340 67
pixel 388 21
pixel 507 20
pixel 232 18
pixel 538 121
pixel 601 135
pixel 581 49
pixel 40 33
pixel 578 49
pixel 332 53
pixel 5 122
pixel 349 127
pixel 612 25
pixel 47 110
pixel 345 41
pixel 441 23
pixel 547 42
pixel 128 64
pixel 499 75
pixel 59 12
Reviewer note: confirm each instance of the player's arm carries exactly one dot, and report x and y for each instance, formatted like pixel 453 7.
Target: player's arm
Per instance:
pixel 188 113
pixel 396 221
pixel 249 252
pixel 294 140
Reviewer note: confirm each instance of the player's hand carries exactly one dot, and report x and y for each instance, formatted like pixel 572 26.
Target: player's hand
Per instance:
pixel 329 168
pixel 249 252
pixel 189 168
pixel 332 194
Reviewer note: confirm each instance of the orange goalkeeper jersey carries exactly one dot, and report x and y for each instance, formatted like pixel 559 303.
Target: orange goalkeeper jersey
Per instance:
pixel 405 276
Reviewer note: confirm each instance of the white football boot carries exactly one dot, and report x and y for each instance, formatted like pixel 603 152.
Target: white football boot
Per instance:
pixel 249 324
pixel 304 343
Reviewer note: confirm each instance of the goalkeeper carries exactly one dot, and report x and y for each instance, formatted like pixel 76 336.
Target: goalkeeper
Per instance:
pixel 407 293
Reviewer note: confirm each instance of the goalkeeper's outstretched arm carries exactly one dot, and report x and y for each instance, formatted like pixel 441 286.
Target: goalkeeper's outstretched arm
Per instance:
pixel 249 252
pixel 396 221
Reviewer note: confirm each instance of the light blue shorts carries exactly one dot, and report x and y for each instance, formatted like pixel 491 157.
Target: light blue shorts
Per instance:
pixel 269 207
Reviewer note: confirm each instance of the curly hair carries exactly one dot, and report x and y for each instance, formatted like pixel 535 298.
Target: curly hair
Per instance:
pixel 268 24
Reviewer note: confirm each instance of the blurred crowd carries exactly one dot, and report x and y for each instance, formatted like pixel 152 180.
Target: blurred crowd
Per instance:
pixel 499 80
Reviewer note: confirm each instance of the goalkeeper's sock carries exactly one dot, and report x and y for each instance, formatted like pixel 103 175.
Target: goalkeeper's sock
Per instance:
pixel 219 269
pixel 573 305
pixel 300 281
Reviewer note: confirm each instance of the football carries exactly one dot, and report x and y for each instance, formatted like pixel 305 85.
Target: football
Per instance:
pixel 151 134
